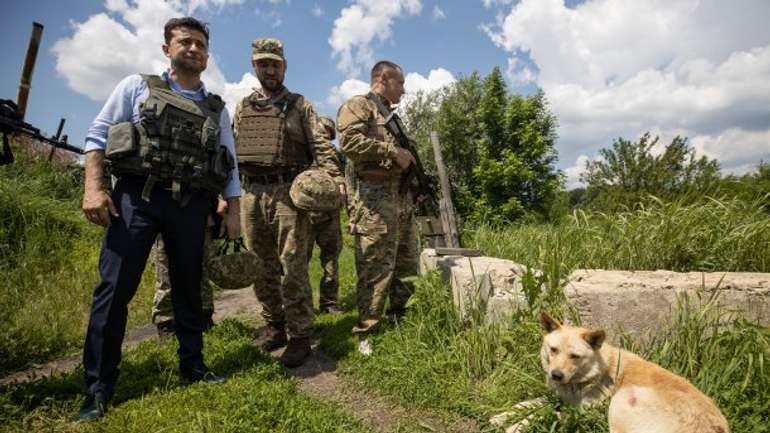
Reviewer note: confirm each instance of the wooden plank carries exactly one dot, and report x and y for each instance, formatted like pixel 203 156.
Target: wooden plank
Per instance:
pixel 466 252
pixel 448 218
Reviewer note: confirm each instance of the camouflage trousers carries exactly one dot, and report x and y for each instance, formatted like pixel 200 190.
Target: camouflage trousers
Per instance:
pixel 162 310
pixel 278 233
pixel 386 249
pixel 326 232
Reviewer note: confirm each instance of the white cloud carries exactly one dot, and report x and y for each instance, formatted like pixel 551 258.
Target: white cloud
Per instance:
pixel 438 13
pixel 489 3
pixel 345 91
pixel 357 27
pixel 317 10
pixel 622 67
pixel 573 173
pixel 125 40
pixel 436 79
pixel 413 83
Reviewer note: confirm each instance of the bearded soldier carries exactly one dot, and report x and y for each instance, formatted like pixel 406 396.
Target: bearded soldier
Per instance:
pixel 277 137
pixel 382 219
pixel 325 231
pixel 168 141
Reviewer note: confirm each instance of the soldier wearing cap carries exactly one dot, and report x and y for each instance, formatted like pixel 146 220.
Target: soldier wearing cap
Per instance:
pixel 382 213
pixel 278 136
pixel 325 231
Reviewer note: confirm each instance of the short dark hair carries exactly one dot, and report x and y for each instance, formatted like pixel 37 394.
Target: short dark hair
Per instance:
pixel 381 67
pixel 188 22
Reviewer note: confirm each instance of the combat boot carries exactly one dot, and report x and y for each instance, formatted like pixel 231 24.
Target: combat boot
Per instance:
pixel 296 352
pixel 165 330
pixel 273 336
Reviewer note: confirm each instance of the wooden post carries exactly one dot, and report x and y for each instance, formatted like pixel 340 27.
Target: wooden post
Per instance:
pixel 448 218
pixel 29 66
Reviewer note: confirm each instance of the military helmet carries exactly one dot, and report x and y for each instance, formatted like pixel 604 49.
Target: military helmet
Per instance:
pixel 234 267
pixel 328 125
pixel 314 190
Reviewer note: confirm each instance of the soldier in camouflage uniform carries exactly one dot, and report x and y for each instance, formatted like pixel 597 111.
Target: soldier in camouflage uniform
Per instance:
pixel 277 136
pixel 325 231
pixel 162 309
pixel 382 220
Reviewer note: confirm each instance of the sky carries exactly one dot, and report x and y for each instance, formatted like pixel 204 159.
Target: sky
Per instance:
pixel 609 68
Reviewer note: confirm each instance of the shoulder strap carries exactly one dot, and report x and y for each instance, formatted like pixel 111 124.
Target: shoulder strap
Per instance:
pixel 155 82
pixel 392 120
pixel 215 103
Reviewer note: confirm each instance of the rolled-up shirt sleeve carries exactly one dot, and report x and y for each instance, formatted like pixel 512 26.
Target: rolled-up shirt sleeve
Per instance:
pixel 233 187
pixel 121 106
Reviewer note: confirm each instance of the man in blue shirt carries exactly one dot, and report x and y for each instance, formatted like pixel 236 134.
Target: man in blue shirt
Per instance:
pixel 160 136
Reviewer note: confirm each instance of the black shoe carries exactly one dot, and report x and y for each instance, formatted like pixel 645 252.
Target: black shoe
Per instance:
pixel 206 376
pixel 273 337
pixel 94 408
pixel 296 352
pixel 165 330
pixel 331 309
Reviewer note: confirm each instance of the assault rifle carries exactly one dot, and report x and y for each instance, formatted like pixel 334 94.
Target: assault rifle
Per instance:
pixel 426 184
pixel 11 122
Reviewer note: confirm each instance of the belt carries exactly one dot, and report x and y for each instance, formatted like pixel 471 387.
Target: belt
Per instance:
pixel 165 184
pixel 268 179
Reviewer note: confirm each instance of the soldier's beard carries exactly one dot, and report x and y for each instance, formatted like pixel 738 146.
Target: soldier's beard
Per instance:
pixel 271 84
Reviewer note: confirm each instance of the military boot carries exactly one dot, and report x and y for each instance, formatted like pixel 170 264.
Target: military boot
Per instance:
pixel 273 336
pixel 296 352
pixel 165 330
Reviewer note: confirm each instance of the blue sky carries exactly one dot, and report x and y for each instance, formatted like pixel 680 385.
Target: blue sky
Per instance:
pixel 609 68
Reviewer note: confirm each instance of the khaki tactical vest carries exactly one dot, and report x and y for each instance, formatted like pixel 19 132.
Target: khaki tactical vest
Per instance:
pixel 271 134
pixel 176 140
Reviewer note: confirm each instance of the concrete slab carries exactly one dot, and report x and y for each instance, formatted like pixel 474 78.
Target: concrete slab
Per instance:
pixel 640 302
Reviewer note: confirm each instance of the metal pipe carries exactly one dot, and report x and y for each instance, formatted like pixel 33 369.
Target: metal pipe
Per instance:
pixel 29 67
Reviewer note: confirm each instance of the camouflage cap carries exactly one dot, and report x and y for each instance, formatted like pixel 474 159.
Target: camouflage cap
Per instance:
pixel 267 48
pixel 328 126
pixel 314 190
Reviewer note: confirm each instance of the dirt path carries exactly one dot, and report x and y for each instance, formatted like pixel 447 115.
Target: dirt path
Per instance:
pixel 317 377
pixel 230 303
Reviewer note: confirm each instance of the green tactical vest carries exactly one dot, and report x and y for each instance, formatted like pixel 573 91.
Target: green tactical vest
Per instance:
pixel 176 140
pixel 271 134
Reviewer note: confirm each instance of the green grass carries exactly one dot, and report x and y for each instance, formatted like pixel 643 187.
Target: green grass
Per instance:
pixel 434 360
pixel 48 263
pixel 730 235
pixel 259 397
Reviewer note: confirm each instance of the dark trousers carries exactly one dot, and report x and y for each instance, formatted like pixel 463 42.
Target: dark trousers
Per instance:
pixel 125 248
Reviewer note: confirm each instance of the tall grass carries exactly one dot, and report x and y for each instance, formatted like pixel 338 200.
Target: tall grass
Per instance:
pixel 727 235
pixel 48 262
pixel 435 360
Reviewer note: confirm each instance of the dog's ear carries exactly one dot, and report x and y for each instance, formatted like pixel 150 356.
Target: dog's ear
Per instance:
pixel 595 339
pixel 548 323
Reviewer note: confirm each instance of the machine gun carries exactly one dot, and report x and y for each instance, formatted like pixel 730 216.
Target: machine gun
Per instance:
pixel 11 122
pixel 425 193
pixel 12 115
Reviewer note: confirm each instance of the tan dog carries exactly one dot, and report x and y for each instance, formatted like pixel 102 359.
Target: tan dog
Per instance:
pixel 646 398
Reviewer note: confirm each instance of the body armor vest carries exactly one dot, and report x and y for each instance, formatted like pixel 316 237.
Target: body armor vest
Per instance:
pixel 176 140
pixel 271 134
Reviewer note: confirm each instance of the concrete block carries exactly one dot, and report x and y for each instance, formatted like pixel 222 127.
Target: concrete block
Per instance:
pixel 640 302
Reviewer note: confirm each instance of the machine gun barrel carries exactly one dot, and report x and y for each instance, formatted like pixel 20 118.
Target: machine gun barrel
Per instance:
pixel 29 67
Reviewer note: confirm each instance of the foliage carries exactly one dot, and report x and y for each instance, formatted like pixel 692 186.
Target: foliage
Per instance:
pixel 498 147
pixel 48 262
pixel 715 235
pixel 629 172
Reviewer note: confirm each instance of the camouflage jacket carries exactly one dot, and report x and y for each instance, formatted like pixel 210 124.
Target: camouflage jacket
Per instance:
pixel 365 140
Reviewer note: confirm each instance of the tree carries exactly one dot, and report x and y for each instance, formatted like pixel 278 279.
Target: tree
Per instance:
pixel 498 147
pixel 630 172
